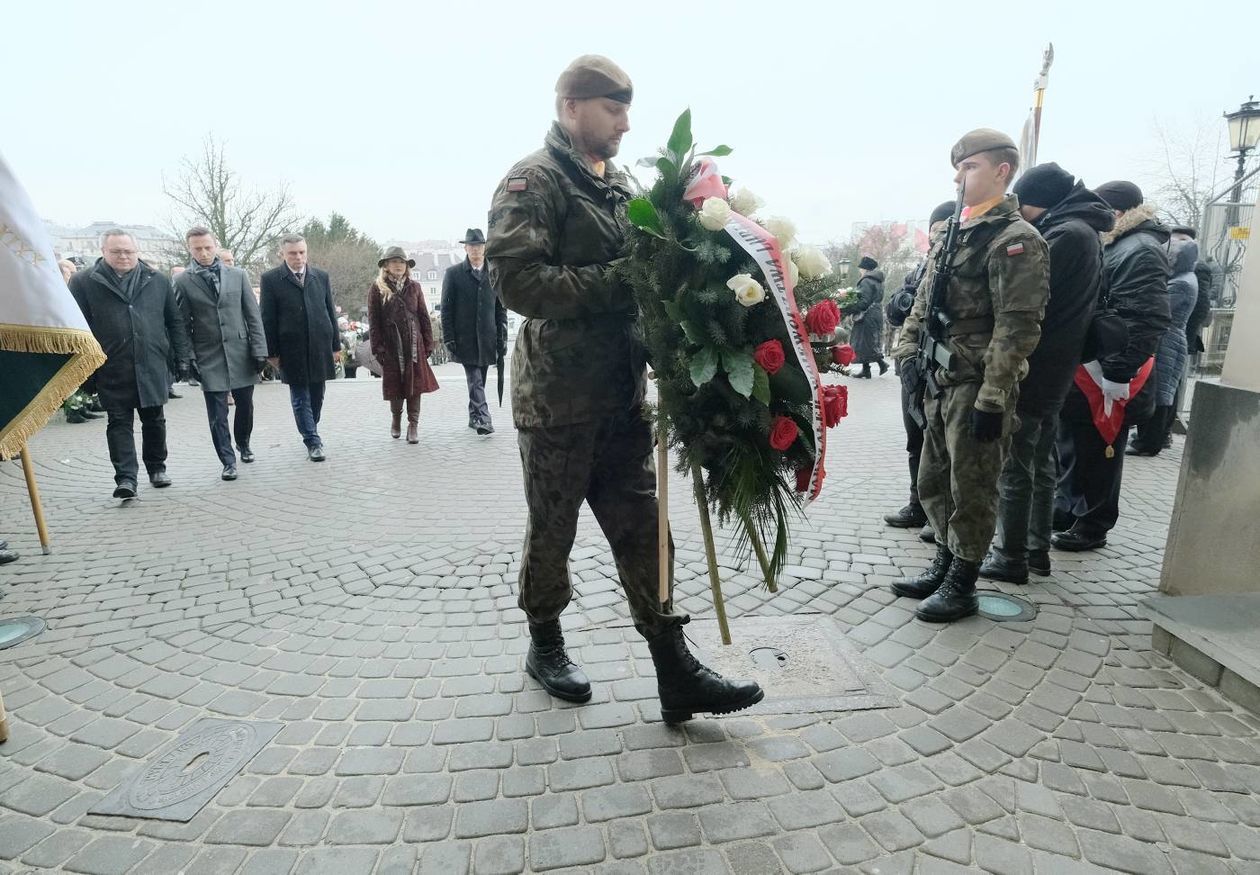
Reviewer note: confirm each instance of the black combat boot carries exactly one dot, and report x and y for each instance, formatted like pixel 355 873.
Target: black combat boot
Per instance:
pixel 549 664
pixel 686 686
pixel 909 517
pixel 1039 562
pixel 929 581
pixel 999 566
pixel 957 596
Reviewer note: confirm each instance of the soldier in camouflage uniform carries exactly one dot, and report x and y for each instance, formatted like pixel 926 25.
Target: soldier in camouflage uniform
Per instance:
pixel 996 298
pixel 557 227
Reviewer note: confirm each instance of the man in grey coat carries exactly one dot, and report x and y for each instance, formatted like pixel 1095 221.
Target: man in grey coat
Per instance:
pixel 228 342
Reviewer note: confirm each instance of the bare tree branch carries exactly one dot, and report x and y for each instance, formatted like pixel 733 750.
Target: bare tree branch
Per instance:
pixel 206 191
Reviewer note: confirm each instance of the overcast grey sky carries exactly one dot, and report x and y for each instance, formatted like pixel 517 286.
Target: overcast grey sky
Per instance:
pixel 404 116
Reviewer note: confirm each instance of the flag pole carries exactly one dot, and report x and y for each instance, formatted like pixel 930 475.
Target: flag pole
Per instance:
pixel 662 513
pixel 1039 97
pixel 37 508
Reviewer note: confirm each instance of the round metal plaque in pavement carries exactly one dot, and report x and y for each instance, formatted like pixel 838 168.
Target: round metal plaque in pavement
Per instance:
pixel 18 629
pixel 1003 608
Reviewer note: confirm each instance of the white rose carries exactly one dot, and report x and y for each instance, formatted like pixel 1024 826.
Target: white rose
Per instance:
pixel 714 213
pixel 794 271
pixel 747 290
pixel 782 229
pixel 745 202
pixel 811 262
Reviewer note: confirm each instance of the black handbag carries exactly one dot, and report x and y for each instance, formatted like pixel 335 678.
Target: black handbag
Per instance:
pixel 1108 332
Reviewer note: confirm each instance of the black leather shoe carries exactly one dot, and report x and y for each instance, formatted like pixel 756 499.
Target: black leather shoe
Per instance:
pixel 929 581
pixel 909 517
pixel 484 428
pixel 957 596
pixel 686 686
pixel 172 394
pixel 229 472
pixel 1133 450
pixel 315 454
pixel 159 480
pixel 247 455
pixel 125 490
pixel 1039 562
pixel 999 567
pixel 1076 540
pixel 548 663
pixel 928 535
pixel 883 367
pixel 472 423
pixel 7 556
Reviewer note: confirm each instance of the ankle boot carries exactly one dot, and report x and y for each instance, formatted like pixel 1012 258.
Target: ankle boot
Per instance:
pixel 929 581
pixel 1000 566
pixel 395 422
pixel 413 420
pixel 957 596
pixel 686 686
pixel 549 664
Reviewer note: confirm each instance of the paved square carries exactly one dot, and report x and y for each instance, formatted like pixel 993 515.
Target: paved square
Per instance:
pixel 368 604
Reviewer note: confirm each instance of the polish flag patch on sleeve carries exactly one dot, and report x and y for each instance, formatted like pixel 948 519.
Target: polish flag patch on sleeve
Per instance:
pixel 517 183
pixel 1015 249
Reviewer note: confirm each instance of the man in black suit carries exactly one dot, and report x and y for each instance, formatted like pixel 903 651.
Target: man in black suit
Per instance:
pixel 300 321
pixel 474 325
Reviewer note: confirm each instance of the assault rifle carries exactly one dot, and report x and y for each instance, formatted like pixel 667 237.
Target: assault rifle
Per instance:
pixel 934 352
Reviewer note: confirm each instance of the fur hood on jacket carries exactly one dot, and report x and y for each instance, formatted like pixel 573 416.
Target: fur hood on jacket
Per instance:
pixel 1130 221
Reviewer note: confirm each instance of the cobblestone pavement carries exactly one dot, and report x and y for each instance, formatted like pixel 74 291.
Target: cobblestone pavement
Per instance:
pixel 367 603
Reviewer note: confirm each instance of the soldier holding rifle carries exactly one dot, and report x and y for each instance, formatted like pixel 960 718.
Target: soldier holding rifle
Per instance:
pixel 976 318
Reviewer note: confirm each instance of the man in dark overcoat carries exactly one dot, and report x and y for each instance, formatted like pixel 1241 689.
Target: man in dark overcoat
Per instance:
pixel 474 325
pixel 300 321
pixel 228 342
pixel 131 310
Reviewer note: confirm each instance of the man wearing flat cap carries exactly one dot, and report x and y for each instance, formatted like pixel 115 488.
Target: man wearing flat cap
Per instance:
pixel 557 228
pixel 474 325
pixel 1135 273
pixel 994 303
pixel 1070 217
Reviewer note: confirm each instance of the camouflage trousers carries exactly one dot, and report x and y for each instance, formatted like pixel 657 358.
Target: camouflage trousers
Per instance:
pixel 958 477
pixel 609 464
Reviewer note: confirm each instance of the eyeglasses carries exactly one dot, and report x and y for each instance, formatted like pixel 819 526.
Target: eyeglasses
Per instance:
pixel 120 251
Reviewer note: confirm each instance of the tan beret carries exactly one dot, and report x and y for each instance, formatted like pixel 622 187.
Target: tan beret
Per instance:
pixel 977 141
pixel 594 76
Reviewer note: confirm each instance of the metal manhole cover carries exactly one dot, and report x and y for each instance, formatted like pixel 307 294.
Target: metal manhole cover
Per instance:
pixel 18 629
pixel 176 782
pixel 1002 608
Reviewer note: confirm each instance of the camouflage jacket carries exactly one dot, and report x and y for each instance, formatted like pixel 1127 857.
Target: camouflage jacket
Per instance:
pixel 555 232
pixel 998 294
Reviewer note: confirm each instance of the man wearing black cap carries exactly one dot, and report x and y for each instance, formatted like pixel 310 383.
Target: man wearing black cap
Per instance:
pixel 557 227
pixel 1135 272
pixel 474 325
pixel 1070 217
pixel 993 303
pixel 900 304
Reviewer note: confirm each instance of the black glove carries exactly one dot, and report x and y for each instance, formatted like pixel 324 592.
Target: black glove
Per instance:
pixel 259 364
pixel 986 427
pixel 450 350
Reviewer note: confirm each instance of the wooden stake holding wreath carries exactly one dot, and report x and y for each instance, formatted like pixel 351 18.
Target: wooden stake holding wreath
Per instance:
pixel 739 393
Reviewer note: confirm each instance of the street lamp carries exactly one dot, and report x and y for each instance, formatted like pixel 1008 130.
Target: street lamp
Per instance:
pixel 1244 133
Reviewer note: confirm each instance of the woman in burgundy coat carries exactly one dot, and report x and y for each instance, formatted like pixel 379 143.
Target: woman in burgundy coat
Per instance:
pixel 401 336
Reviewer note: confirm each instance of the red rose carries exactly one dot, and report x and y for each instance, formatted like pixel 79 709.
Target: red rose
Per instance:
pixel 835 404
pixel 823 317
pixel 783 432
pixel 843 355
pixel 770 356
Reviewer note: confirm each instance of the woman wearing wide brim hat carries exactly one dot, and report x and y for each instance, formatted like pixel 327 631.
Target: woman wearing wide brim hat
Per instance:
pixel 401 338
